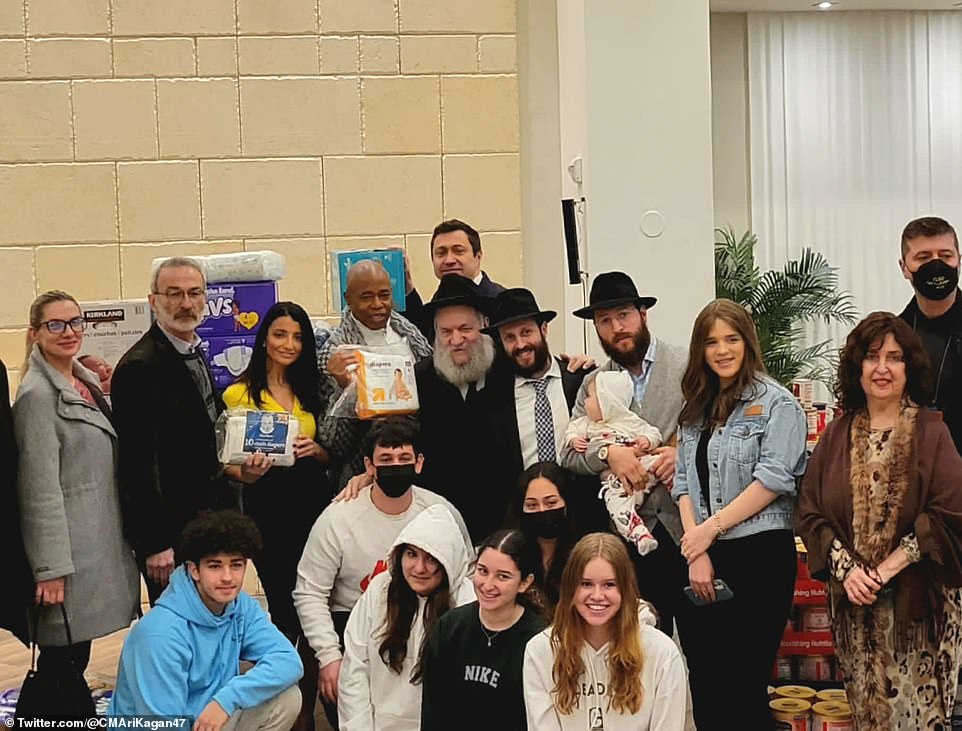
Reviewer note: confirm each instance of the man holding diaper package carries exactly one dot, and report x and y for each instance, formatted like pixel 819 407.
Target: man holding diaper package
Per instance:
pixel 369 319
pixel 165 405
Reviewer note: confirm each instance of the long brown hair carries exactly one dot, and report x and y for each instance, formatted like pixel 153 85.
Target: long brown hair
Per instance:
pixel 704 396
pixel 625 658
pixel 402 606
pixel 36 319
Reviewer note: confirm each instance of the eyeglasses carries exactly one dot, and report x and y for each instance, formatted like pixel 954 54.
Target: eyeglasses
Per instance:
pixel 178 294
pixel 58 326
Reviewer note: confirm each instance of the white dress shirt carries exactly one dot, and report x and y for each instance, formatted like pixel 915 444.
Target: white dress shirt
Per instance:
pixel 384 336
pixel 524 407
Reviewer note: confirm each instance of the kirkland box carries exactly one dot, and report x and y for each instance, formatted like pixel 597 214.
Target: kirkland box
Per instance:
pixel 236 308
pixel 393 261
pixel 228 357
pixel 113 326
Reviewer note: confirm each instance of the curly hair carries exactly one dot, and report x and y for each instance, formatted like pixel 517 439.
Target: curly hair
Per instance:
pixel 625 658
pixel 214 532
pixel 700 385
pixel 867 336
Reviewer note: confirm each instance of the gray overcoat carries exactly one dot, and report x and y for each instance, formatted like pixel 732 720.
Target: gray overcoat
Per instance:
pixel 69 504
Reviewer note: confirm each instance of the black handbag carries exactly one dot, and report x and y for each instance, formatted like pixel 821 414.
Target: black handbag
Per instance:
pixel 54 692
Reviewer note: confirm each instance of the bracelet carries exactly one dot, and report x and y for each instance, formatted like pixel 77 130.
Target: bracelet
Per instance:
pixel 718 525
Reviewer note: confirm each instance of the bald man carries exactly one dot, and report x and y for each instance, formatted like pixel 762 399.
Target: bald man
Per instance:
pixel 368 319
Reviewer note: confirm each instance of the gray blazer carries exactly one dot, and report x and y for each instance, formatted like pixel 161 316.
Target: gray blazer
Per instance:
pixel 69 504
pixel 660 407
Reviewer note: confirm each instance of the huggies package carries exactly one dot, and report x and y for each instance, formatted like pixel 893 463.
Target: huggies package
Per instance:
pixel 242 432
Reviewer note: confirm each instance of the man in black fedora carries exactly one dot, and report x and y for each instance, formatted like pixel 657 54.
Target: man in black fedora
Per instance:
pixel 461 460
pixel 542 389
pixel 656 367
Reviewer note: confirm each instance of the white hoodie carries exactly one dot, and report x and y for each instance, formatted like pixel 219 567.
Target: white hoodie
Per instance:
pixel 662 680
pixel 369 694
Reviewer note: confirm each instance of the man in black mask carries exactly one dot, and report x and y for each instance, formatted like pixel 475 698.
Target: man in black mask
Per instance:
pixel 349 544
pixel 930 261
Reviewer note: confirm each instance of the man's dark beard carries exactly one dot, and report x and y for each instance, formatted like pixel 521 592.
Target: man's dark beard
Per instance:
pixel 541 357
pixel 634 357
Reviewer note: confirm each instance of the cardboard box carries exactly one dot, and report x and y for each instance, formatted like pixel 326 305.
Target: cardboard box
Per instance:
pixel 228 357
pixel 393 261
pixel 236 308
pixel 113 326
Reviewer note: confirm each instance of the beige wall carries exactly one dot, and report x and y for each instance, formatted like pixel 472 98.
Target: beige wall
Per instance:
pixel 132 129
pixel 729 122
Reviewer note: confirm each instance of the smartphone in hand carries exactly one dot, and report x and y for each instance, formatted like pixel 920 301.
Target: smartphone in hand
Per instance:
pixel 722 592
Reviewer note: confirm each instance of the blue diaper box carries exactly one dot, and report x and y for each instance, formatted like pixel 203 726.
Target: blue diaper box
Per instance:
pixel 393 261
pixel 236 308
pixel 228 357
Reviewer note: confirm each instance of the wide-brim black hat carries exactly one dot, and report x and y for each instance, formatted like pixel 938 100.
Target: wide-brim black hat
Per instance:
pixel 457 290
pixel 612 289
pixel 514 305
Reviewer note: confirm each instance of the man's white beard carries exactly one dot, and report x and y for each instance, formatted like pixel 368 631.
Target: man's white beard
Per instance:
pixel 482 356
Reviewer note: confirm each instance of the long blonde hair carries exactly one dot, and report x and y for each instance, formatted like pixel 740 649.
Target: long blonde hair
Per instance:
pixel 625 658
pixel 36 319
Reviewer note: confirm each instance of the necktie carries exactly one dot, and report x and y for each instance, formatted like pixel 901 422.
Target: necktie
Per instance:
pixel 543 423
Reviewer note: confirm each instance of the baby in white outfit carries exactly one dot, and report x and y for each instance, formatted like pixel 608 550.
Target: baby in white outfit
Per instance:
pixel 609 420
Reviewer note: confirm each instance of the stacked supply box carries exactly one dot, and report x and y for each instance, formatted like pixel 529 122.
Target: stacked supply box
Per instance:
pixel 391 259
pixel 113 326
pixel 233 312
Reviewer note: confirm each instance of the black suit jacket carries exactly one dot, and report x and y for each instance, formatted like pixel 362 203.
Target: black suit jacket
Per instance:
pixel 18 577
pixel 462 458
pixel 506 415
pixel 168 464
pixel 414 305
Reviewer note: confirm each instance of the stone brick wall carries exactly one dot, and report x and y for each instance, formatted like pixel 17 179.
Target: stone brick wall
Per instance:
pixel 131 129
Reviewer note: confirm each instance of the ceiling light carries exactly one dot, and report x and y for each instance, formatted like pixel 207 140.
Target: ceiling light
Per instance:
pixel 824 5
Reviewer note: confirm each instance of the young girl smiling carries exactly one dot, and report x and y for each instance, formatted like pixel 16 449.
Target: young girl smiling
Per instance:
pixel 474 655
pixel 603 665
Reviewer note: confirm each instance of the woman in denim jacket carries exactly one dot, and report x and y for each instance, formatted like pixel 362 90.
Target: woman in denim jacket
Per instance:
pixel 741 448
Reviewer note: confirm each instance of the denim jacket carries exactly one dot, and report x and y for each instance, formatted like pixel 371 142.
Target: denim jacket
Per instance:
pixel 764 440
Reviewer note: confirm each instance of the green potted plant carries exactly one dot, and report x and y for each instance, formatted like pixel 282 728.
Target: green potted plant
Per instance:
pixel 781 301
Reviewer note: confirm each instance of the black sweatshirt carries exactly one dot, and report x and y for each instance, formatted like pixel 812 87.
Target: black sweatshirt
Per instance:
pixel 469 684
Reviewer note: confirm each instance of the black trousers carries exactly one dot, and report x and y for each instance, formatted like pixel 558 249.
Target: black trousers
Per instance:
pixel 52 657
pixel 731 645
pixel 662 576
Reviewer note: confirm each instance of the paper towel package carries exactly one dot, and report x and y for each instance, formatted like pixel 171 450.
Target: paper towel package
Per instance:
pixel 248 431
pixel 244 266
pixel 236 308
pixel 239 266
pixel 113 326
pixel 228 357
pixel 393 261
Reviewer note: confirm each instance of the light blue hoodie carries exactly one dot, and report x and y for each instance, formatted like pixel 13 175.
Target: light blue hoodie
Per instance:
pixel 181 656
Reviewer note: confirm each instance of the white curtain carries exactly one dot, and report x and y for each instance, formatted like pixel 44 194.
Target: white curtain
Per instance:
pixel 856 128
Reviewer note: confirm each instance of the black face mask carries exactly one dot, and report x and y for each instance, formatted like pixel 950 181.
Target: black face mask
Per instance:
pixel 395 479
pixel 935 280
pixel 543 524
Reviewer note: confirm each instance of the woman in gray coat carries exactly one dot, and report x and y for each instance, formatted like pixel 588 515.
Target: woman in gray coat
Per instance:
pixel 69 505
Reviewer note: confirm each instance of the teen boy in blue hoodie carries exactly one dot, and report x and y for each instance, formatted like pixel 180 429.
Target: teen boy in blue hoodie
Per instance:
pixel 182 658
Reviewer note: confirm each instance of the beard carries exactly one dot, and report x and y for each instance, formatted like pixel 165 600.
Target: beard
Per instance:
pixel 479 362
pixel 634 357
pixel 540 363
pixel 181 323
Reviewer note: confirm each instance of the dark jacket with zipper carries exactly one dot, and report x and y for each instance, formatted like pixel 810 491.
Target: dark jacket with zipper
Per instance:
pixel 942 338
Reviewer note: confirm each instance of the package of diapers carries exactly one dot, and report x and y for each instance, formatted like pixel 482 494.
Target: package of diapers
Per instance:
pixel 244 266
pixel 383 383
pixel 242 432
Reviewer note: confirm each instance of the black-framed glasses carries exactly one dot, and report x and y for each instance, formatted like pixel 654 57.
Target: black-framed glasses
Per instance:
pixel 58 326
pixel 194 294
